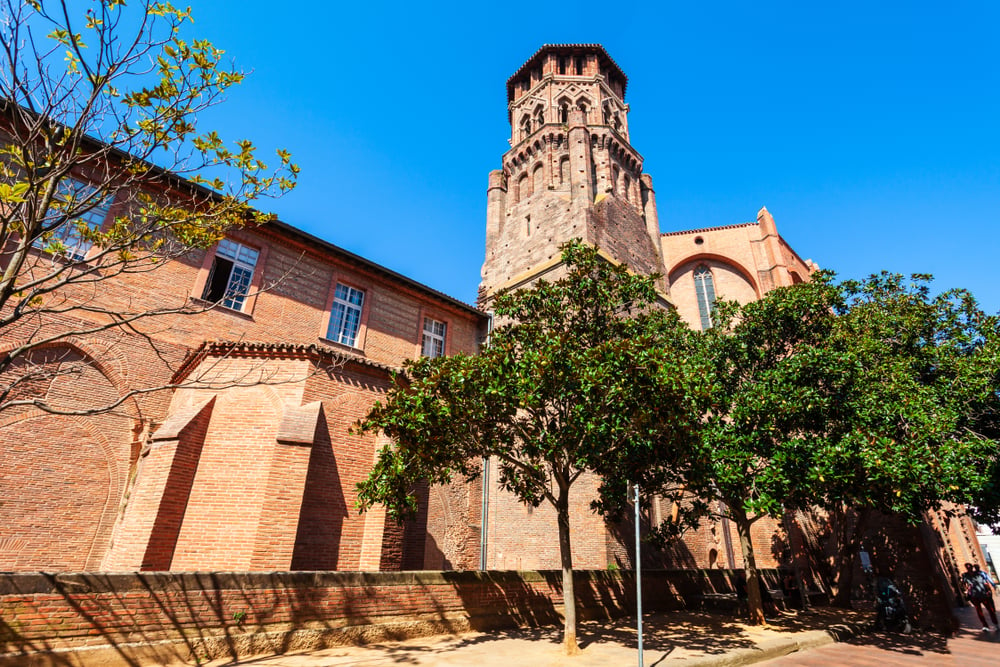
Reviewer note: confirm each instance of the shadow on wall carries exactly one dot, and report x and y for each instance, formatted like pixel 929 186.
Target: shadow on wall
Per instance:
pixel 913 555
pixel 321 519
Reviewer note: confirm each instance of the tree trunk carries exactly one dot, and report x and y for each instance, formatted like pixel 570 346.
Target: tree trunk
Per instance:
pixel 755 605
pixel 850 543
pixel 566 557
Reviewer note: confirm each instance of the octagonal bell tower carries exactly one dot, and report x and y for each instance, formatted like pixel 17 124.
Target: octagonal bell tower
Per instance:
pixel 571 171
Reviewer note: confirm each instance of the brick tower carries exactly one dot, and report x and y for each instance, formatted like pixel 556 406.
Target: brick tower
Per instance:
pixel 571 171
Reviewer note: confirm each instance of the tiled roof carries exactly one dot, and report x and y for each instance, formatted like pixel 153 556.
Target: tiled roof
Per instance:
pixel 322 244
pixel 556 47
pixel 707 229
pixel 223 348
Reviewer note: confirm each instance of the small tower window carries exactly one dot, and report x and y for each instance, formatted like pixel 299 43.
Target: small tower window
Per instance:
pixel 525 127
pixel 539 117
pixel 563 64
pixel 704 289
pixel 563 113
pixel 627 188
pixel 607 114
pixel 579 65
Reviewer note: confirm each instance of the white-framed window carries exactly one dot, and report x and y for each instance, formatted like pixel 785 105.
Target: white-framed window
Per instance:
pixel 704 289
pixel 345 315
pixel 68 239
pixel 232 272
pixel 434 335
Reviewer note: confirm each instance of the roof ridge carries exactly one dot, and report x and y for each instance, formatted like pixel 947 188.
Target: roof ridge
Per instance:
pixel 707 229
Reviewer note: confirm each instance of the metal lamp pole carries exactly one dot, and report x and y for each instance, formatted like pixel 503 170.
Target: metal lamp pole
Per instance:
pixel 638 576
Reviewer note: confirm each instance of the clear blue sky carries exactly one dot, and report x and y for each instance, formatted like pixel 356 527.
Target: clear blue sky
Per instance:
pixel 870 130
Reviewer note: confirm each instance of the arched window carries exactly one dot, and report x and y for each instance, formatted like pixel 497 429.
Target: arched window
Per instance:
pixel 538 179
pixel 615 177
pixel 704 290
pixel 564 113
pixel 564 171
pixel 539 117
pixel 607 114
pixel 627 188
pixel 523 187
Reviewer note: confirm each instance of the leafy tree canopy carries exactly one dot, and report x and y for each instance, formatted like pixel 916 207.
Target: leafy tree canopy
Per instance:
pixel 586 374
pixel 105 170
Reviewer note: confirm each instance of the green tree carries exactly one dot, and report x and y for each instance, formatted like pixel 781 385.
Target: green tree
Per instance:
pixel 99 114
pixel 763 399
pixel 585 376
pixel 857 395
pixel 912 377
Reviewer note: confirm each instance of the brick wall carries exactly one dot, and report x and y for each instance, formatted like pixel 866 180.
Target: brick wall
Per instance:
pixel 110 619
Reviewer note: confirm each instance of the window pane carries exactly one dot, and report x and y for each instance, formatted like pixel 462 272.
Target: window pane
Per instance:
pixel 228 249
pixel 238 287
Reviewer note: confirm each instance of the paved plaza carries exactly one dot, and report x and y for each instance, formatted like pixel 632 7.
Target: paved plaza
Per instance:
pixel 680 638
pixel 970 647
pixel 688 639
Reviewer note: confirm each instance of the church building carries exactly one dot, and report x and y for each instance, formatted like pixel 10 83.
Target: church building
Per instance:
pixel 226 474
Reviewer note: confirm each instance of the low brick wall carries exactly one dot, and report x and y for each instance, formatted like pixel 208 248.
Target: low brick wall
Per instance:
pixel 162 618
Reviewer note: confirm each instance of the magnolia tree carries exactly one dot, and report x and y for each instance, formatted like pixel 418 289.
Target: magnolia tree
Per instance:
pixel 916 382
pixel 105 172
pixel 859 396
pixel 587 376
pixel 760 400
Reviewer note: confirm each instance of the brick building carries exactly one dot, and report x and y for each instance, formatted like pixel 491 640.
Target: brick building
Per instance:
pixel 231 474
pixel 228 472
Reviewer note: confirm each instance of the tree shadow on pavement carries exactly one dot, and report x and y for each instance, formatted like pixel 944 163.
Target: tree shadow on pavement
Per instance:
pixel 917 643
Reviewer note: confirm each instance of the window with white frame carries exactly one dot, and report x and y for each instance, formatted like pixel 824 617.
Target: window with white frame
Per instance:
pixel 231 275
pixel 704 289
pixel 345 316
pixel 68 239
pixel 434 335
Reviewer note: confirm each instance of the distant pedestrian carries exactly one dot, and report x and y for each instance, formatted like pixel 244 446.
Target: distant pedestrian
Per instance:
pixel 979 590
